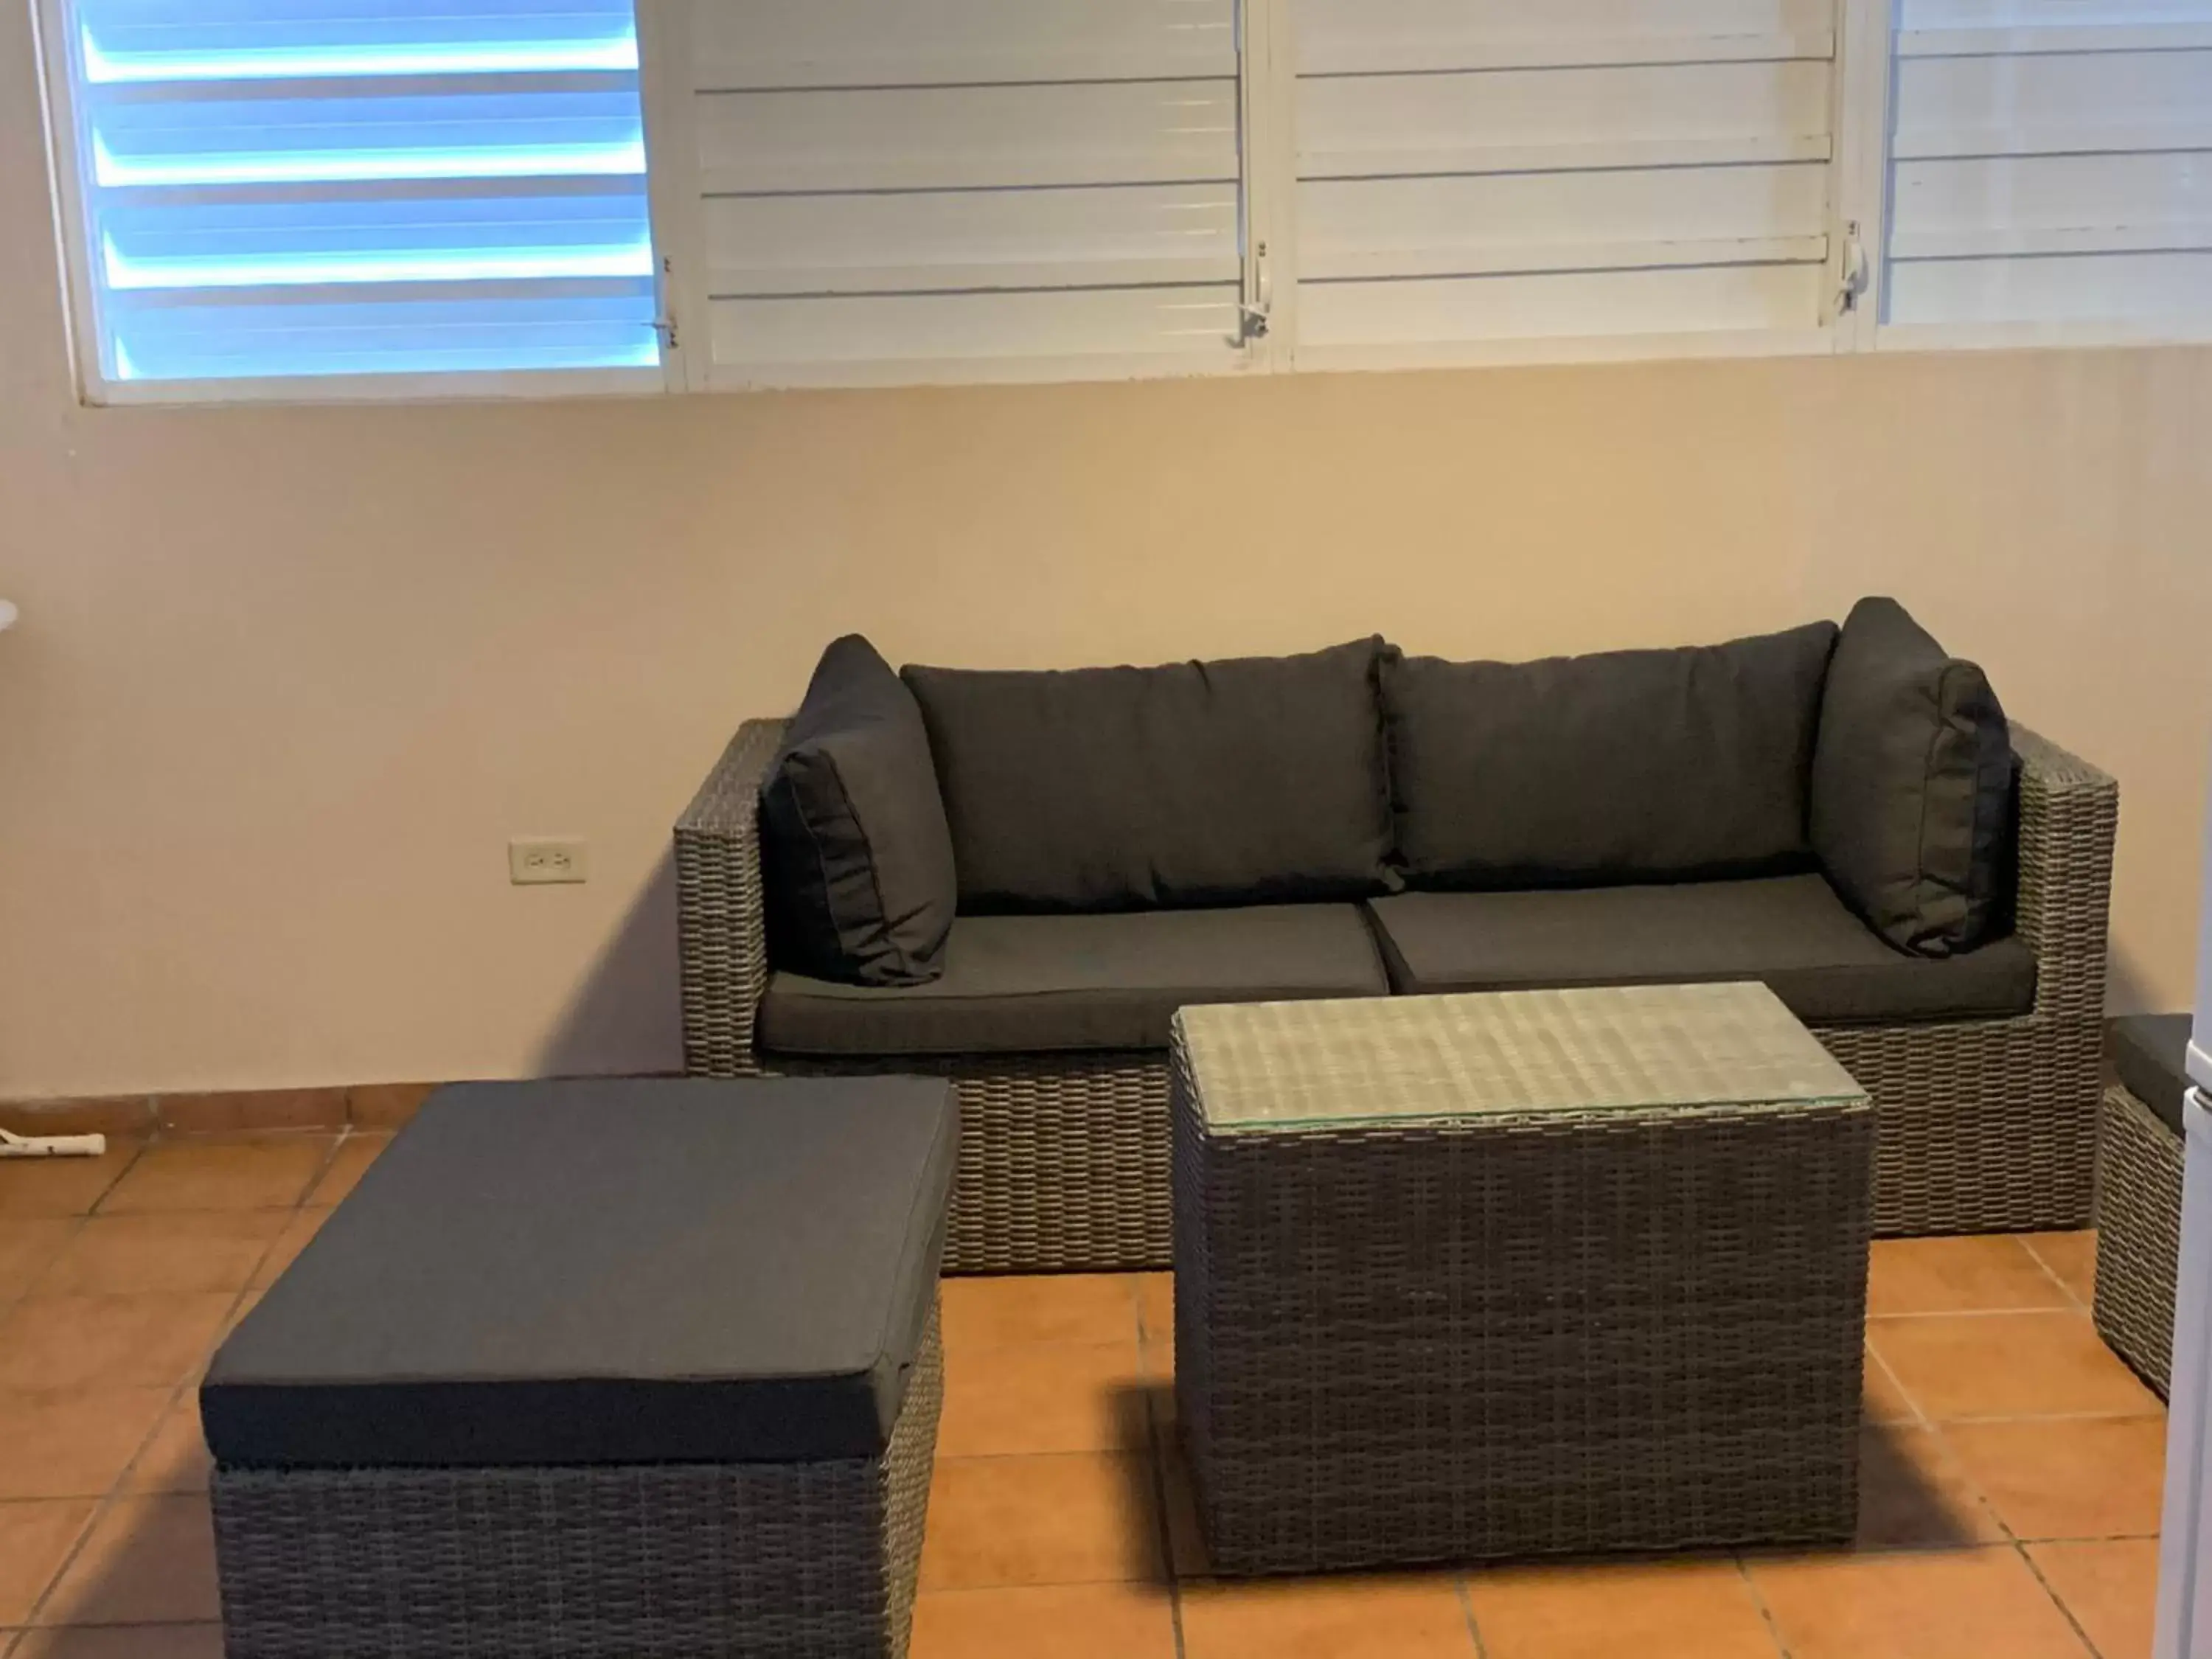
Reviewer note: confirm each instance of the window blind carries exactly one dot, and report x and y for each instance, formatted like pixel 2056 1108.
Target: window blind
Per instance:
pixel 2051 165
pixel 1483 171
pixel 280 188
pixel 960 189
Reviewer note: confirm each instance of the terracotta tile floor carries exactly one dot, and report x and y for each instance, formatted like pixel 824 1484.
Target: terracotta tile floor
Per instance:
pixel 2011 1465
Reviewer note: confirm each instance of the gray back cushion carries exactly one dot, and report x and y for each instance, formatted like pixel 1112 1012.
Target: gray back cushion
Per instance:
pixel 1627 766
pixel 1912 785
pixel 1244 781
pixel 858 859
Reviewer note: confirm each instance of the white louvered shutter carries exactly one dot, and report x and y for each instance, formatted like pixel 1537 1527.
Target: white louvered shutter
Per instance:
pixel 274 190
pixel 2051 169
pixel 1499 177
pixel 889 191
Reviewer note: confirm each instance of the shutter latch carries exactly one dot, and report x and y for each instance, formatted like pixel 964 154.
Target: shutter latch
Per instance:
pixel 1857 272
pixel 1256 313
pixel 663 319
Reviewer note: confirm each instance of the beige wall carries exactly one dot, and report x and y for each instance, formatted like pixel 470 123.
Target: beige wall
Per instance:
pixel 287 681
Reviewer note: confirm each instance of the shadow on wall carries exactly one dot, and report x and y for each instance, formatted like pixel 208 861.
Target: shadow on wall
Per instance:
pixel 626 1019
pixel 2127 986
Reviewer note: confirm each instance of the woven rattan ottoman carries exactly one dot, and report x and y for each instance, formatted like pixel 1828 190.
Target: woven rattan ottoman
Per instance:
pixel 610 1369
pixel 1471 1277
pixel 2138 1208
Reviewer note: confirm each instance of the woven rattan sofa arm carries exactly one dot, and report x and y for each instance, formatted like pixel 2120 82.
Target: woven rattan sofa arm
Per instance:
pixel 720 929
pixel 2070 814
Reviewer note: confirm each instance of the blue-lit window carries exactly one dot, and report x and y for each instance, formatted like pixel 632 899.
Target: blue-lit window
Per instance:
pixel 281 188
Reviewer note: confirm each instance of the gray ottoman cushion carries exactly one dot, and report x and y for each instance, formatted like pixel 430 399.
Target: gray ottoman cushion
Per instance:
pixel 2150 1053
pixel 617 1272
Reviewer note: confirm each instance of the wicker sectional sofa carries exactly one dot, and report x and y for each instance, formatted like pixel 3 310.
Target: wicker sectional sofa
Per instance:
pixel 1982 1123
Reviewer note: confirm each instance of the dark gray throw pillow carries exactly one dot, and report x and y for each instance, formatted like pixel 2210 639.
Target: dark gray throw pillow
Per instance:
pixel 1912 785
pixel 857 855
pixel 1255 780
pixel 1628 766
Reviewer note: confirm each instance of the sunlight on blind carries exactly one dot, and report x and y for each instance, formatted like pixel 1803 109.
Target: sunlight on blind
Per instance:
pixel 315 187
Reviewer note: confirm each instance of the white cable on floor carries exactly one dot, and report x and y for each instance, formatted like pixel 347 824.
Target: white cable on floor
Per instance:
pixel 51 1145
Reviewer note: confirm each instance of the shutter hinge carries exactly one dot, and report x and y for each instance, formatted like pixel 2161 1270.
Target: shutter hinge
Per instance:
pixel 1857 273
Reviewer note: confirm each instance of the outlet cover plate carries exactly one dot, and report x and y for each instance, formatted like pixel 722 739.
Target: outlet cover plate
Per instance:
pixel 548 860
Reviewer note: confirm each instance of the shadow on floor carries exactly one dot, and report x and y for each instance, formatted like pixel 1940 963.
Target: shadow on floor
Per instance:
pixel 1906 1501
pixel 151 1560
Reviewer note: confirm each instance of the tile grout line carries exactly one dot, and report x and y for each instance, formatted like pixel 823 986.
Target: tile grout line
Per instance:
pixel 2071 1309
pixel 1759 1600
pixel 74 1227
pixel 1997 1420
pixel 1467 1612
pixel 2073 1296
pixel 115 1492
pixel 1156 1467
pixel 1930 1425
pixel 100 1503
pixel 81 1219
pixel 2058 1601
pixel 2011 1539
pixel 1919 1418
pixel 76 1224
pixel 118 1489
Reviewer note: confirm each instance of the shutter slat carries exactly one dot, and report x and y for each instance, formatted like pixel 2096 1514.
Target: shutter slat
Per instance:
pixel 316 187
pixel 760 44
pixel 890 189
pixel 2049 166
pixel 785 339
pixel 969 137
pixel 1474 172
pixel 938 241
pixel 1579 305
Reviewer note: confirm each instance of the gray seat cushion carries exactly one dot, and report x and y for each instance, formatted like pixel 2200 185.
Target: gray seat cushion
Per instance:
pixel 1623 767
pixel 646 1271
pixel 1912 786
pixel 2150 1053
pixel 1789 931
pixel 1254 780
pixel 1016 984
pixel 853 839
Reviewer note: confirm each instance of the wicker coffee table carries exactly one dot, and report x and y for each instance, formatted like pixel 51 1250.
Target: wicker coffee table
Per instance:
pixel 1472 1276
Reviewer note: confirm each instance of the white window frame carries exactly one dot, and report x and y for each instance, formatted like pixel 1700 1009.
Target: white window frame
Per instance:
pixel 1860 174
pixel 1863 61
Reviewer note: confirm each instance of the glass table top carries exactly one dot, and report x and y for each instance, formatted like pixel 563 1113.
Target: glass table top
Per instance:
pixel 1378 1060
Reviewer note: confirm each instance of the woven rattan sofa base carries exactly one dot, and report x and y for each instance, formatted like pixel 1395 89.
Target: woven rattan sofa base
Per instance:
pixel 2139 1162
pixel 1556 1335
pixel 1984 1125
pixel 1981 1127
pixel 670 1561
pixel 1987 1127
pixel 1063 1158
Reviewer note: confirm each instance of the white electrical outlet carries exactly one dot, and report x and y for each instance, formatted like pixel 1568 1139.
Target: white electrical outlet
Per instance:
pixel 543 860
